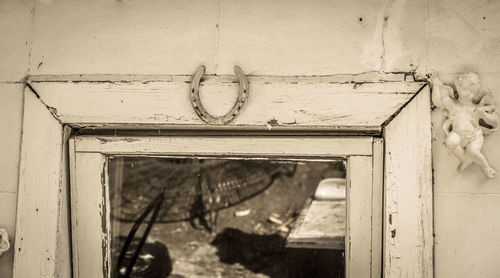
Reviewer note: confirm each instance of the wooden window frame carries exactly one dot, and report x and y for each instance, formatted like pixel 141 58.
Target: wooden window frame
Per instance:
pixel 89 164
pixel 395 115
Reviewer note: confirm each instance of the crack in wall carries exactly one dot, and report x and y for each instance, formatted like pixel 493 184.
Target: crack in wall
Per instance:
pixel 426 30
pixel 385 14
pixel 366 76
pixel 30 39
pixel 216 46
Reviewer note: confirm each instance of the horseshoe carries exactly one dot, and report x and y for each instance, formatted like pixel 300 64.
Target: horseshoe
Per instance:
pixel 194 96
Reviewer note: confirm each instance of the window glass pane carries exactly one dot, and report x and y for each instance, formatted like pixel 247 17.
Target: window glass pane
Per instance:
pixel 212 217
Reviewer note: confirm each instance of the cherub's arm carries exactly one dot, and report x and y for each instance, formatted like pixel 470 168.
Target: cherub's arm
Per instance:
pixel 442 95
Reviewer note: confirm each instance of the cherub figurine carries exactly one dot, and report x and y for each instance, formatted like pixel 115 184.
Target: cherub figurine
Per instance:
pixel 470 113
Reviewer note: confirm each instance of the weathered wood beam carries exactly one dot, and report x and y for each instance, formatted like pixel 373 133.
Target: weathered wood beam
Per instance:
pixel 275 103
pixel 408 230
pixel 42 243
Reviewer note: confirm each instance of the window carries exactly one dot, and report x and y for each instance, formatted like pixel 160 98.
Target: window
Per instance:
pixel 94 197
pixel 381 130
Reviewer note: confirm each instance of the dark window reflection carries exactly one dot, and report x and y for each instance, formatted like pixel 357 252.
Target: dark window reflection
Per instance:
pixel 225 217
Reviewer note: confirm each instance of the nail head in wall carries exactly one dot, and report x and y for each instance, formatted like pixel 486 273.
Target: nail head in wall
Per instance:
pixel 470 114
pixel 4 241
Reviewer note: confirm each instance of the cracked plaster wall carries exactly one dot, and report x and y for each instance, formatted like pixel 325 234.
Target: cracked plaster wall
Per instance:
pixel 320 37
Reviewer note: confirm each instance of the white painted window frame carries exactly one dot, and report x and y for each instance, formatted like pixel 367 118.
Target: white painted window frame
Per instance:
pixel 88 160
pixel 394 115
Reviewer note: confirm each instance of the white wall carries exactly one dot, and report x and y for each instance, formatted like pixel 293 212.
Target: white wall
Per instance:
pixel 271 38
pixel 462 36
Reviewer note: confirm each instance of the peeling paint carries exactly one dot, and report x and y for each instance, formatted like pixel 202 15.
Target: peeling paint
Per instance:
pixel 273 122
pixel 104 220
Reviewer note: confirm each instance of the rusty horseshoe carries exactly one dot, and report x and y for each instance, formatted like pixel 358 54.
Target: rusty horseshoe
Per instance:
pixel 229 116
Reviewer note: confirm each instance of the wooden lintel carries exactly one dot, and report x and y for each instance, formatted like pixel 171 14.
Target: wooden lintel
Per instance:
pixel 275 103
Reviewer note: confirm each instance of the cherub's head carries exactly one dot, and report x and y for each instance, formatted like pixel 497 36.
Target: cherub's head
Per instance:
pixel 468 87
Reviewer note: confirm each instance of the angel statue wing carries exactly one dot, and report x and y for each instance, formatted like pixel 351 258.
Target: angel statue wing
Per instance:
pixel 486 115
